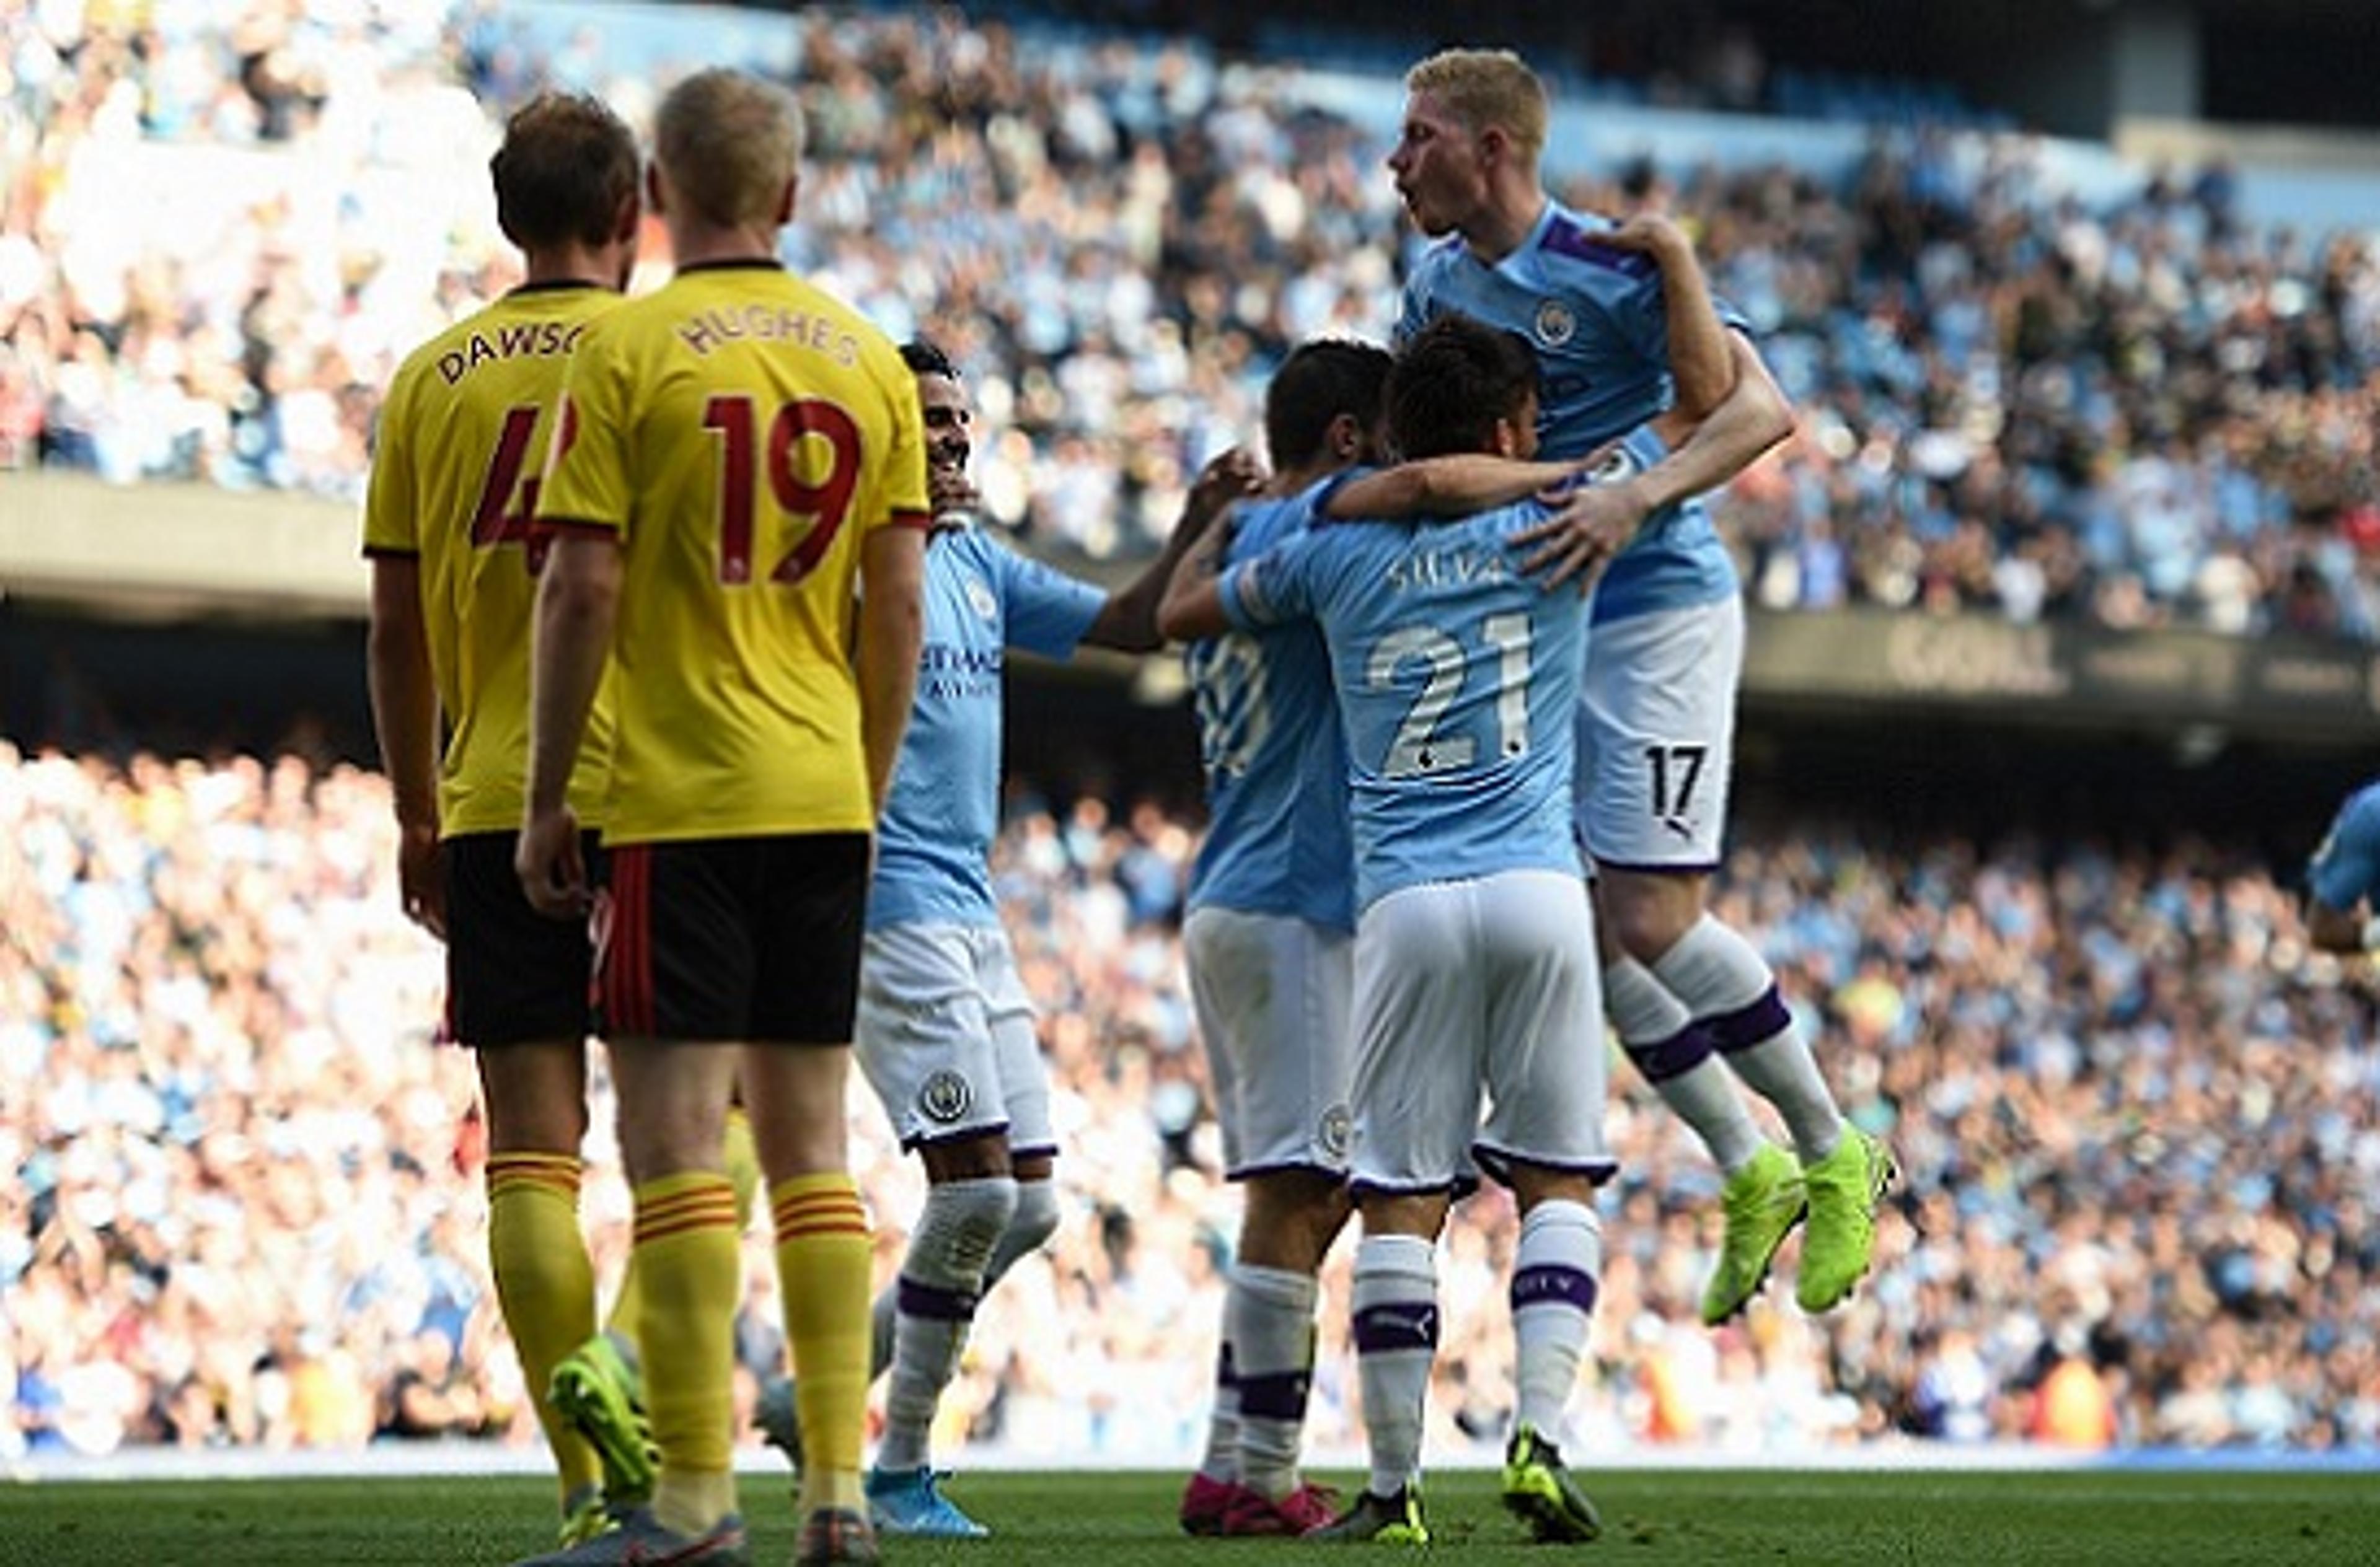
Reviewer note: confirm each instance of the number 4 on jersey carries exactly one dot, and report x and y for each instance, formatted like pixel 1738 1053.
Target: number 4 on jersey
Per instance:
pixel 498 519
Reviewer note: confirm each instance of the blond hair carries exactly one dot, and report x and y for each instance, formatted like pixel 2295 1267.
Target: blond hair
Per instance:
pixel 729 143
pixel 1486 87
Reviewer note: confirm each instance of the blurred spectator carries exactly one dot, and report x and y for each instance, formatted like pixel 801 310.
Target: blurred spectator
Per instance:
pixel 2143 412
pixel 2137 1127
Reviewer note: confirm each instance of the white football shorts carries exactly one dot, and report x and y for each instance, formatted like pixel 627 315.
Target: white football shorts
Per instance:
pixel 1473 988
pixel 1272 993
pixel 945 1037
pixel 1656 737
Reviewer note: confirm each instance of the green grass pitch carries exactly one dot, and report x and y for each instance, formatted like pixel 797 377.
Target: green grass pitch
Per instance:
pixel 2102 1519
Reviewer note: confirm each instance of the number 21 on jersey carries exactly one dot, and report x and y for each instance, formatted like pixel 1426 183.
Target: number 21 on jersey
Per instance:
pixel 1419 748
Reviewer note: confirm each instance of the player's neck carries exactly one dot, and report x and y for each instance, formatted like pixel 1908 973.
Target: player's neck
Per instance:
pixel 695 244
pixel 564 264
pixel 1297 481
pixel 1506 218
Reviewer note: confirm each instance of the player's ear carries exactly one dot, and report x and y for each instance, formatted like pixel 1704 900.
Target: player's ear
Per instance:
pixel 786 202
pixel 1346 438
pixel 624 221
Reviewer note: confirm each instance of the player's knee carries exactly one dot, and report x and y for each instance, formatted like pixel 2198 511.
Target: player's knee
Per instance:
pixel 963 1222
pixel 1643 927
pixel 1034 1219
pixel 1715 971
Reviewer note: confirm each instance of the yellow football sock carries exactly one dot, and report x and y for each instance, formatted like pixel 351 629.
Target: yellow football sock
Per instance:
pixel 822 1268
pixel 546 1285
pixel 744 1171
pixel 743 1164
pixel 689 1278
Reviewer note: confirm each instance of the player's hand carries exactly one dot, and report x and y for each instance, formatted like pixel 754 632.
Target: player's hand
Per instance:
pixel 553 872
pixel 1595 523
pixel 1233 476
pixel 1651 233
pixel 420 879
pixel 949 491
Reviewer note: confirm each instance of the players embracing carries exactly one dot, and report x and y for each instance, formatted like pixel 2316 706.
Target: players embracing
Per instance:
pixel 1656 710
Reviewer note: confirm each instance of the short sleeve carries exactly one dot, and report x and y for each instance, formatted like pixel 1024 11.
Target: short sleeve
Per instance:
pixel 588 481
pixel 902 486
pixel 2346 867
pixel 392 516
pixel 1273 589
pixel 1045 611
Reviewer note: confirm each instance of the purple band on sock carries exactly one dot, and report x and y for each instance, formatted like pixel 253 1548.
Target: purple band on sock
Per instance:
pixel 1756 1024
pixel 1276 1395
pixel 932 1304
pixel 1674 1057
pixel 1554 1284
pixel 1411 1324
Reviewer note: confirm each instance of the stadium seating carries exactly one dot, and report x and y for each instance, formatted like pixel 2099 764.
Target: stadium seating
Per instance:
pixel 2136 408
pixel 236 1107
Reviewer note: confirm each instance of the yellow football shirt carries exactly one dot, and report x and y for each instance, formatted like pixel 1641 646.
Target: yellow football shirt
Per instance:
pixel 463 435
pixel 740 431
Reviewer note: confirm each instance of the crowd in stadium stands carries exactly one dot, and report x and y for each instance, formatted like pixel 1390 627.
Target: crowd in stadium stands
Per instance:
pixel 2137 1208
pixel 2144 412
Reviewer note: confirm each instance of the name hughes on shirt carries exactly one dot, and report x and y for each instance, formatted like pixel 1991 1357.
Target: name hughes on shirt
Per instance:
pixel 707 329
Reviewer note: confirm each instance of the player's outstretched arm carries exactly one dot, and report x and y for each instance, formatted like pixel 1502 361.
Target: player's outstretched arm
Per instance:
pixel 1601 519
pixel 1702 370
pixel 405 719
pixel 2340 880
pixel 891 632
pixel 1128 620
pixel 1728 413
pixel 1193 605
pixel 2341 931
pixel 1461 484
pixel 578 607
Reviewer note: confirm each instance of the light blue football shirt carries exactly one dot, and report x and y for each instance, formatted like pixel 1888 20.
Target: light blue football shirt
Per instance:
pixel 2345 868
pixel 1276 758
pixel 1455 675
pixel 933 847
pixel 1595 315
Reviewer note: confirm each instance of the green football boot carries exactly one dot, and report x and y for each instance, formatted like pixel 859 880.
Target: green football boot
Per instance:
pixel 1845 1189
pixel 1540 1492
pixel 1763 1201
pixel 598 1389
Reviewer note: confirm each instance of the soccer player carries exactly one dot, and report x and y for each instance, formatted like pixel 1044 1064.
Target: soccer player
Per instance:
pixel 2343 881
pixel 945 1030
pixel 1475 963
pixel 748 453
pixel 1269 942
pixel 454 565
pixel 1659 697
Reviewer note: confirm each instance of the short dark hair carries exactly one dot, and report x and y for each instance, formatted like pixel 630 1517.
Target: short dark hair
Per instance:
pixel 1317 382
pixel 566 165
pixel 924 358
pixel 1452 382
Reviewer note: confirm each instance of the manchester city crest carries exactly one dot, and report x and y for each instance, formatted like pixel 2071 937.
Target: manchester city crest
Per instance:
pixel 1337 1131
pixel 1555 323
pixel 946 1096
pixel 980 597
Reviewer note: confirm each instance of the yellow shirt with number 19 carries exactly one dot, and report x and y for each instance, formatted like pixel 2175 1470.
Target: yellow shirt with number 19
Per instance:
pixel 740 432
